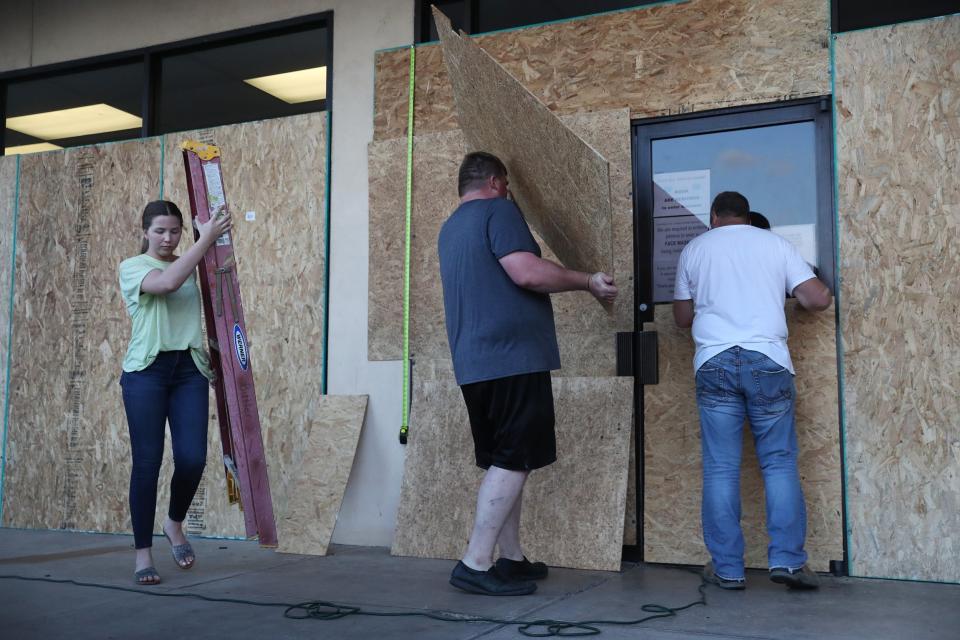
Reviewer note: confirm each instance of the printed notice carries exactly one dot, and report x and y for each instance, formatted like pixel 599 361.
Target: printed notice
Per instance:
pixel 677 193
pixel 803 237
pixel 670 236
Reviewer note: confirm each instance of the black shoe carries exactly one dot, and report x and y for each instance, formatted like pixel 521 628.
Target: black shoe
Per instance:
pixel 521 569
pixel 802 578
pixel 488 583
pixel 724 583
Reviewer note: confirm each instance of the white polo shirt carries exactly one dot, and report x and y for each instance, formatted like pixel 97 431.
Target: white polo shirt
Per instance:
pixel 738 277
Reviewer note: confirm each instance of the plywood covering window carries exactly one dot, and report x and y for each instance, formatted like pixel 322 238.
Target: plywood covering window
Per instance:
pixel 778 157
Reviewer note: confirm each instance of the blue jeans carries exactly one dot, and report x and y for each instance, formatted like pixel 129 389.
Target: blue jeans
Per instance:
pixel 171 388
pixel 731 386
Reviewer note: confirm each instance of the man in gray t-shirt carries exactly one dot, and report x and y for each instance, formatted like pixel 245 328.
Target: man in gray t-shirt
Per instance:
pixel 503 342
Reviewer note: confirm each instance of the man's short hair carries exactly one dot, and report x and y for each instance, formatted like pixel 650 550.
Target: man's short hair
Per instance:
pixel 730 204
pixel 477 167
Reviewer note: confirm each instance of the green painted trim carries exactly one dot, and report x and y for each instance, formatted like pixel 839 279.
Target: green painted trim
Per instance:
pixel 541 24
pixel 838 311
pixel 895 24
pixel 6 390
pixel 405 419
pixel 912 580
pixel 326 256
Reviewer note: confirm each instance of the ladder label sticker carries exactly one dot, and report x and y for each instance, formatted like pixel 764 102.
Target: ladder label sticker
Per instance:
pixel 251 216
pixel 216 200
pixel 240 345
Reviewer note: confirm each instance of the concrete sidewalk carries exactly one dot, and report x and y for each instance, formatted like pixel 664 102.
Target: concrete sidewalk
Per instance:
pixel 371 579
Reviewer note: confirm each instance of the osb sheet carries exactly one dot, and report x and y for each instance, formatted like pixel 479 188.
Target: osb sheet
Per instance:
pixel 585 330
pixel 560 182
pixel 673 470
pixel 572 509
pixel 8 194
pixel 308 492
pixel 692 56
pixel 67 444
pixel 274 178
pixel 898 146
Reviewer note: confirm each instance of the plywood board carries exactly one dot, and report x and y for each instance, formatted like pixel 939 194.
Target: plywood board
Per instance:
pixel 80 216
pixel 572 510
pixel 310 488
pixel 560 183
pixel 672 458
pixel 274 177
pixel 585 331
pixel 898 148
pixel 660 60
pixel 68 447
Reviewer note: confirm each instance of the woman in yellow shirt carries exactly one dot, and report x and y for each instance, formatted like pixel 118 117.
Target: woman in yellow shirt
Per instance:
pixel 165 376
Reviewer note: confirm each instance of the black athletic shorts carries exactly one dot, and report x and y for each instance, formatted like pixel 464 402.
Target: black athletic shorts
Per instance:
pixel 512 421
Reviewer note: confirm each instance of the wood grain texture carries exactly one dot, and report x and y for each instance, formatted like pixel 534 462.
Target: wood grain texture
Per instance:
pixel 274 170
pixel 560 183
pixel 572 510
pixel 672 459
pixel 310 488
pixel 898 147
pixel 660 60
pixel 68 444
pixel 585 330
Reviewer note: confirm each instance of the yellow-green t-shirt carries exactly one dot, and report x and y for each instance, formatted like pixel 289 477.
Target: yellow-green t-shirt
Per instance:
pixel 161 323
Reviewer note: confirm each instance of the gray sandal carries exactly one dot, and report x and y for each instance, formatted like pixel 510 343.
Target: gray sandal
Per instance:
pixel 181 552
pixel 146 577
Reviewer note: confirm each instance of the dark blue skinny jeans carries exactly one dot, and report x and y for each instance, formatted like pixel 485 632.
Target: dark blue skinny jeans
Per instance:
pixel 172 388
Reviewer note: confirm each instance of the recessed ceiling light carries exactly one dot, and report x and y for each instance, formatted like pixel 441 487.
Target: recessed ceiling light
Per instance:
pixel 30 148
pixel 70 123
pixel 295 86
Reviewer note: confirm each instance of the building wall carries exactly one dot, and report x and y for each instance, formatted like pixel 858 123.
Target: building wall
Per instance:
pixel 42 32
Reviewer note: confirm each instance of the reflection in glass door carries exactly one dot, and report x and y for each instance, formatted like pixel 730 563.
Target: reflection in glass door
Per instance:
pixel 773 166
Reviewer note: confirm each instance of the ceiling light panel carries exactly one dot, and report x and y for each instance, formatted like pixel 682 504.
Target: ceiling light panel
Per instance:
pixel 295 86
pixel 70 123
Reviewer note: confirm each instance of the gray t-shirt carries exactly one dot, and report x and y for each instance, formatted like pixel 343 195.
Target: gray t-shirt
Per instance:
pixel 495 328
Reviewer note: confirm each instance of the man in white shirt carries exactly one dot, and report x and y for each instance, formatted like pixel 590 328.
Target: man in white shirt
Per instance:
pixel 731 284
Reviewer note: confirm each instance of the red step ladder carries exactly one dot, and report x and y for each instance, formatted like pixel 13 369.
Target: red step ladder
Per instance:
pixel 229 356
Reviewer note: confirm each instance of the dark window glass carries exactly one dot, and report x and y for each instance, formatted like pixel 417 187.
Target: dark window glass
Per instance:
pixel 481 16
pixel 457 10
pixel 119 87
pixel 505 14
pixel 206 87
pixel 849 15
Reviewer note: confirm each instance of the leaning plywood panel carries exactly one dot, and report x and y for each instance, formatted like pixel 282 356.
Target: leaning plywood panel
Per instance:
pixel 675 58
pixel 560 182
pixel 585 330
pixel 311 488
pixel 275 181
pixel 898 147
pixel 68 443
pixel 572 509
pixel 672 462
